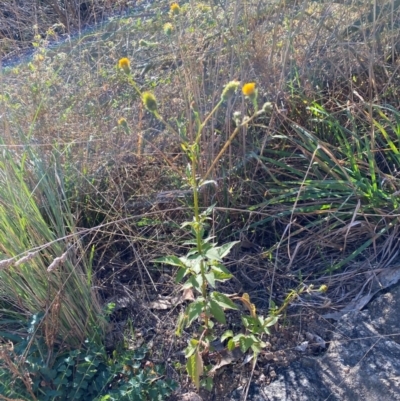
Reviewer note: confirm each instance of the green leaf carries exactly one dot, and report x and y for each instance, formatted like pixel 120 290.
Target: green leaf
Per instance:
pixel 193 311
pixel 207 383
pixel 194 282
pixel 217 312
pixel 180 275
pixel 231 344
pixel 271 321
pixel 227 334
pixel 199 282
pixel 180 324
pixel 210 277
pixel 194 263
pixel 194 367
pixel 218 267
pixel 187 223
pixel 221 272
pixel 249 321
pixel 221 276
pixel 191 348
pixel 245 343
pixel 190 242
pixel 170 260
pixel 257 348
pixel 218 253
pixel 223 300
pixel 210 208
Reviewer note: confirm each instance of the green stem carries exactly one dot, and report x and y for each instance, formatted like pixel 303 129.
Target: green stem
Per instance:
pixel 134 84
pixel 199 239
pixel 203 124
pixel 227 143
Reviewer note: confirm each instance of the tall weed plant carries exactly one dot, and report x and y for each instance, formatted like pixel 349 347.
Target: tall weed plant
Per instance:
pixel 202 267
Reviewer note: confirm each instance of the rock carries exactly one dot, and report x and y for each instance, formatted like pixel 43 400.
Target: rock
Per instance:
pixel 362 361
pixel 190 397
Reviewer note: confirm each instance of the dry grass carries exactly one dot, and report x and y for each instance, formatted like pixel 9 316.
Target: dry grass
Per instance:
pixel 312 186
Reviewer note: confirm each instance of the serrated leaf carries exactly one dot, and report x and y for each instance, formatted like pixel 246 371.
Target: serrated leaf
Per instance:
pixel 227 334
pixel 219 276
pixel 170 260
pixel 210 277
pixel 223 300
pixel 217 312
pixel 218 267
pixel 218 253
pixel 194 367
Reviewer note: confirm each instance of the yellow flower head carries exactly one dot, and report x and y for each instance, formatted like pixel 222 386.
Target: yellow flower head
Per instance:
pixel 125 64
pixel 229 90
pixel 122 121
pixel 149 101
pixel 249 89
pixel 175 9
pixel 168 28
pixel 323 288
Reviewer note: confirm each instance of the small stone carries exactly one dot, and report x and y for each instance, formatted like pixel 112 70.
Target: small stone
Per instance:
pixel 190 397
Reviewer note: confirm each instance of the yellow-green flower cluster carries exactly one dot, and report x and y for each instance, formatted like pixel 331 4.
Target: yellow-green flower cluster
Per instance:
pixel 175 9
pixel 122 121
pixel 149 101
pixel 230 89
pixel 323 288
pixel 168 29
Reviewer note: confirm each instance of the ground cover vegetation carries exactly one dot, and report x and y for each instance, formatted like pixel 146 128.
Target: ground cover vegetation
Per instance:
pixel 201 169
